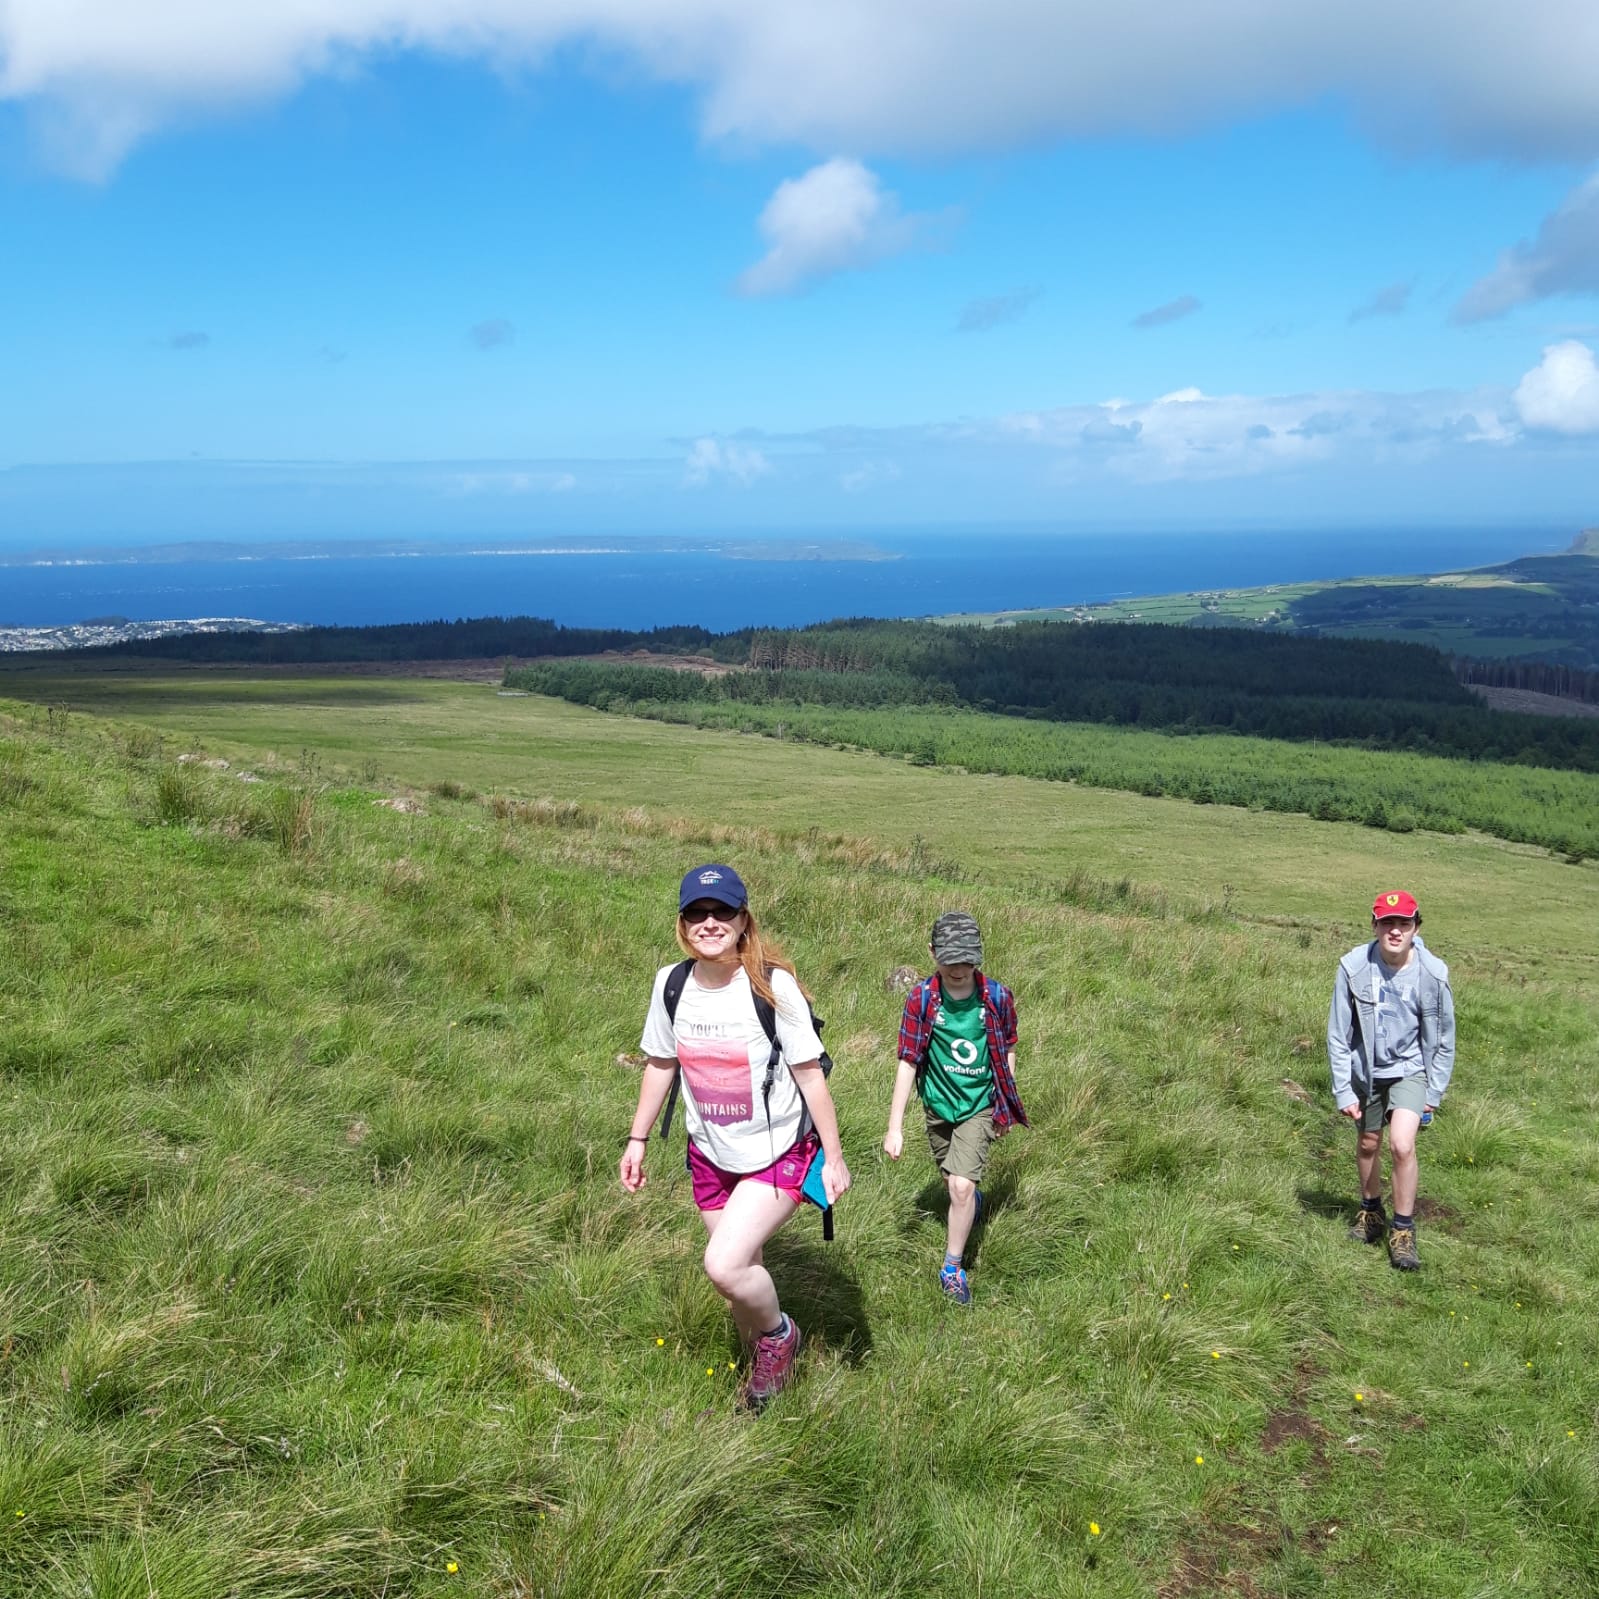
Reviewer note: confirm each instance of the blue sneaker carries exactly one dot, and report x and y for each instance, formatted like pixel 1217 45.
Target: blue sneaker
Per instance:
pixel 952 1279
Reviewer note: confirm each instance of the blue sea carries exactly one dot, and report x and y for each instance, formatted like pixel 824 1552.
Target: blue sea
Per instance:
pixel 642 587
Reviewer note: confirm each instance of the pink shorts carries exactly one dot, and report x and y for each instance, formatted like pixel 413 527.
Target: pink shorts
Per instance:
pixel 713 1186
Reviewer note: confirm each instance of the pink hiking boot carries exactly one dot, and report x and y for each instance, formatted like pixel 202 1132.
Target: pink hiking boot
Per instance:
pixel 775 1354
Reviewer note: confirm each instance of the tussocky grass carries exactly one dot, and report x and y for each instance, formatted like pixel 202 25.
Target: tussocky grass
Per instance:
pixel 315 1278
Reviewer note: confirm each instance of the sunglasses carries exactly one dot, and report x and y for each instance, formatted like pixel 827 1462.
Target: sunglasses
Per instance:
pixel 695 914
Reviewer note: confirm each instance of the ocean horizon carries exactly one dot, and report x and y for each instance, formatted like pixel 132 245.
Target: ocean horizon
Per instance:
pixel 644 584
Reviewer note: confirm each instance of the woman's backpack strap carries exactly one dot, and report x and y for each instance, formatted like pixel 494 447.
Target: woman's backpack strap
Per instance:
pixel 670 995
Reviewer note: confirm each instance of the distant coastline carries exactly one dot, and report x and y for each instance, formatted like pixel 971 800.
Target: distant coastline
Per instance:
pixel 420 549
pixel 104 630
pixel 716 581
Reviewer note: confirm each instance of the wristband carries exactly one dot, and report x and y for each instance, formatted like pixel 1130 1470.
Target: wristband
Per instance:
pixel 636 1138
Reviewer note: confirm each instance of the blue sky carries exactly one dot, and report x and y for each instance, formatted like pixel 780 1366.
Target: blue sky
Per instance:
pixel 407 266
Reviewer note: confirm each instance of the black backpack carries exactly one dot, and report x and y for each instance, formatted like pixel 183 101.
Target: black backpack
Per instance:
pixel 767 1016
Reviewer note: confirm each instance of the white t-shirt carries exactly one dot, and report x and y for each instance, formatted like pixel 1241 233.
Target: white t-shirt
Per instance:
pixel 720 1045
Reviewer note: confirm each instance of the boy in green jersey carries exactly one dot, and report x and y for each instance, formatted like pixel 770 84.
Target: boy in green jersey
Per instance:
pixel 957 1048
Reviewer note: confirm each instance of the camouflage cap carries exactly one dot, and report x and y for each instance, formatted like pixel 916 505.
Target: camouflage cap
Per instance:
pixel 957 940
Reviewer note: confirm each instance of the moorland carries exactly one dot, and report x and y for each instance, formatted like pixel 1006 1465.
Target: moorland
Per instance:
pixel 316 1279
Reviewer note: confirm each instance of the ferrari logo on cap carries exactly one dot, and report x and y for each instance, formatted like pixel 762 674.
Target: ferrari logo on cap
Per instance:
pixel 1393 899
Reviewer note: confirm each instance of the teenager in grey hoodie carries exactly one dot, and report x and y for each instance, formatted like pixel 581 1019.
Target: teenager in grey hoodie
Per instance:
pixel 1391 1049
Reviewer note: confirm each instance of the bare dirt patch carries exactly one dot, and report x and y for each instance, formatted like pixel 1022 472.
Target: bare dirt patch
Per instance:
pixel 1293 1426
pixel 1202 1569
pixel 1530 703
pixel 476 670
pixel 1292 1422
pixel 1444 1217
pixel 682 663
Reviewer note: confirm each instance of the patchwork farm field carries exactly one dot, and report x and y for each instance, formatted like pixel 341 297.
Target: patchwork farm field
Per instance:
pixel 316 1279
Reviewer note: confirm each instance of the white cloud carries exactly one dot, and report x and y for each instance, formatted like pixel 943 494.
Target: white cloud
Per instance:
pixel 980 316
pixel 1561 393
pixel 1172 311
pixel 1385 302
pixel 711 459
pixel 869 474
pixel 868 75
pixel 515 481
pixel 1563 259
pixel 492 334
pixel 835 217
pixel 1194 436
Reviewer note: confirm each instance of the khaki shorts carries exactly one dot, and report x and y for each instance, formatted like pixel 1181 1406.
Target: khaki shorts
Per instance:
pixel 1396 1093
pixel 961 1148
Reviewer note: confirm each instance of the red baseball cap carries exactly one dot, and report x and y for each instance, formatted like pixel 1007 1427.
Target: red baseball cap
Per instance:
pixel 1396 902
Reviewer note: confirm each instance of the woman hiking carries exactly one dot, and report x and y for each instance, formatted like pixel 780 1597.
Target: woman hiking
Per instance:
pixel 756 1120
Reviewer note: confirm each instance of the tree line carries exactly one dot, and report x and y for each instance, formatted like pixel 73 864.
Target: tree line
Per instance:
pixel 1321 690
pixel 1316 689
pixel 1537 677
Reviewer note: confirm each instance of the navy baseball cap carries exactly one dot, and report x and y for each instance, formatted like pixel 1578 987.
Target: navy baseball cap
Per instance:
pixel 720 883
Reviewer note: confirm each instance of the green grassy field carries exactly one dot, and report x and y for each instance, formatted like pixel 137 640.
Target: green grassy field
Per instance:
pixel 410 733
pixel 315 1278
pixel 1251 605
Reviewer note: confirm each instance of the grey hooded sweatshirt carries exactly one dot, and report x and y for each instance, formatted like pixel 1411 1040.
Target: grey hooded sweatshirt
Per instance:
pixel 1352 1027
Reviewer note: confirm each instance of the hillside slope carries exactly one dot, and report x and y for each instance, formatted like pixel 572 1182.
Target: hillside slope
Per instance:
pixel 316 1279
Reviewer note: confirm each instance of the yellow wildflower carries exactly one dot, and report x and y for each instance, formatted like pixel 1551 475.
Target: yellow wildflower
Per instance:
pixel 449 1565
pixel 1199 1460
pixel 660 1343
pixel 1360 1398
pixel 1093 1528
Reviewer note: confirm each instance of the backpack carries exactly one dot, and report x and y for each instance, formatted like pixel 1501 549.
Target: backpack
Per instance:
pixel 767 1016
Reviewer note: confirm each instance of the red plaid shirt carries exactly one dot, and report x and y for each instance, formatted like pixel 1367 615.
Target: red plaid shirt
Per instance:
pixel 999 1022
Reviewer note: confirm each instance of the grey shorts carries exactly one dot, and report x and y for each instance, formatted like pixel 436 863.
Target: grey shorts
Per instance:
pixel 961 1148
pixel 1389 1095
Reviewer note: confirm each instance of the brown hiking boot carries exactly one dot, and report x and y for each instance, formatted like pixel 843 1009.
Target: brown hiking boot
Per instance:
pixel 1368 1226
pixel 1402 1254
pixel 775 1355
